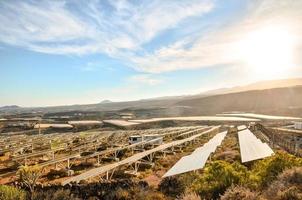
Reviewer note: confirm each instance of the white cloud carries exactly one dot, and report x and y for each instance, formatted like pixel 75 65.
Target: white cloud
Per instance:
pixel 220 47
pixel 121 28
pixel 146 79
pixel 26 24
pixel 93 27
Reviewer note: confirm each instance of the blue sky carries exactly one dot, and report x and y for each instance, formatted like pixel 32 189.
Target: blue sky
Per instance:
pixel 77 52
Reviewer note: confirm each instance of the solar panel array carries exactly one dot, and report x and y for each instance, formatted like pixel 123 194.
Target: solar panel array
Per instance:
pixel 198 158
pixel 241 127
pixel 252 148
pixel 134 158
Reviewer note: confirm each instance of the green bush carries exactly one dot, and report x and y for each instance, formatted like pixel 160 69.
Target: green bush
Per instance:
pixel 265 171
pixel 218 176
pixel 11 193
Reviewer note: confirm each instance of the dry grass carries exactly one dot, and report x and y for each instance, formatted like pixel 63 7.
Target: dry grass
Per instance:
pixel 239 193
pixel 189 196
pixel 288 186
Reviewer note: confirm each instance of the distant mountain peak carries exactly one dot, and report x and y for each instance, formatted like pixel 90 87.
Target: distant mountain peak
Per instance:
pixel 10 107
pixel 106 101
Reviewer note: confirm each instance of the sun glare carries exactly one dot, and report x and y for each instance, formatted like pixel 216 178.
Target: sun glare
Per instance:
pixel 268 51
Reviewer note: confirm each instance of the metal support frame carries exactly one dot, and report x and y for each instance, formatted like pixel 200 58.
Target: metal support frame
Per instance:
pixel 150 157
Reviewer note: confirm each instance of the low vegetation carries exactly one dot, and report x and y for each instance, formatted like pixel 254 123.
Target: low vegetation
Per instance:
pixel 29 176
pixel 288 185
pixel 278 177
pixel 218 177
pixel 240 193
pixel 11 193
pixel 264 172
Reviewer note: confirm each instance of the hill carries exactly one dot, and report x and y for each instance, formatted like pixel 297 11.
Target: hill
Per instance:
pixel 286 101
pixel 7 108
pixel 261 85
pixel 274 96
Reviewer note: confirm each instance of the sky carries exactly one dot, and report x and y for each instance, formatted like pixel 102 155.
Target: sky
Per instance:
pixel 81 52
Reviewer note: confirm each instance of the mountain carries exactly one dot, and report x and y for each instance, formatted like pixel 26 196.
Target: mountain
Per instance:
pixel 262 85
pixel 259 96
pixel 105 101
pixel 287 101
pixel 7 108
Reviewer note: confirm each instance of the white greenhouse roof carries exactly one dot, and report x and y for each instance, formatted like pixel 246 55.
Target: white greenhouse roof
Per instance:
pixel 198 118
pixel 260 116
pixel 52 126
pixel 118 122
pixel 85 122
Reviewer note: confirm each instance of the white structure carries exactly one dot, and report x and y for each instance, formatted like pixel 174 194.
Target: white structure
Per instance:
pixel 241 127
pixel 198 158
pixel 298 125
pixel 251 148
pixel 139 138
pixel 133 159
pixel 85 122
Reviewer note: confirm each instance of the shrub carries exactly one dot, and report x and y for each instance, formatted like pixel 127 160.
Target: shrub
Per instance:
pixel 120 194
pixel 53 174
pixel 55 144
pixel 229 156
pixel 291 176
pixel 267 170
pixel 60 194
pixel 189 196
pixel 148 195
pixel 239 193
pixel 287 186
pixel 29 175
pixel 292 193
pixel 217 177
pixel 11 193
pixel 172 186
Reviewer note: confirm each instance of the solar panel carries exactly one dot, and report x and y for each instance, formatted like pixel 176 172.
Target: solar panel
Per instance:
pixel 251 148
pixel 188 163
pixel 198 158
pixel 241 127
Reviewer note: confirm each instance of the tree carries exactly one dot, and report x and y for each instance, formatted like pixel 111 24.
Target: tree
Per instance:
pixel 29 175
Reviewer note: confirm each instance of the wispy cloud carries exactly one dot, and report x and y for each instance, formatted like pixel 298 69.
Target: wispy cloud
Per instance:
pixel 146 79
pixel 121 28
pixel 95 66
pixel 221 47
pixel 112 27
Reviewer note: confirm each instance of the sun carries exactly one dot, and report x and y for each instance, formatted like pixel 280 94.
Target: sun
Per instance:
pixel 268 51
